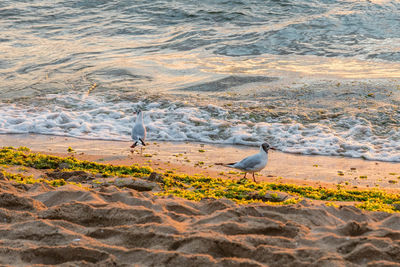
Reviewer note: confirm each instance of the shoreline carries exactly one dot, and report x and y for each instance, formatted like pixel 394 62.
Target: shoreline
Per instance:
pixel 197 158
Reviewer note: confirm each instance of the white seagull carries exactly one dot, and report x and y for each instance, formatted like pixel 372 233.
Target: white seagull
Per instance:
pixel 252 164
pixel 138 131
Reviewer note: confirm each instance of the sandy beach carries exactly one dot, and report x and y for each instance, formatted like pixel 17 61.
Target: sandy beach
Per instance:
pixel 200 158
pixel 118 225
pixel 69 226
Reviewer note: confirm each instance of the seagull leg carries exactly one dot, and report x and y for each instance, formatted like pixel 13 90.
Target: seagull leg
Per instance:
pixel 133 146
pixel 254 178
pixel 245 175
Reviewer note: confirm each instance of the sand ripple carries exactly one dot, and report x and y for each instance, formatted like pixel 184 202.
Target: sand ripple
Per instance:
pixel 110 226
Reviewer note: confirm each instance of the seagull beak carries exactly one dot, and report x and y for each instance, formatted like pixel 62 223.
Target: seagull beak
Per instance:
pixel 273 148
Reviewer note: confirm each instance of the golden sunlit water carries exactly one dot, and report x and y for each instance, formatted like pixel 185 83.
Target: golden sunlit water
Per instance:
pixel 311 77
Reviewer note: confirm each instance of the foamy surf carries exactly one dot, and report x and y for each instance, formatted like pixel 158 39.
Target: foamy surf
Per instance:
pixel 95 117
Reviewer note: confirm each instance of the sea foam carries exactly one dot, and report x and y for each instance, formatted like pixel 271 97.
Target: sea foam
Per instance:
pixel 94 117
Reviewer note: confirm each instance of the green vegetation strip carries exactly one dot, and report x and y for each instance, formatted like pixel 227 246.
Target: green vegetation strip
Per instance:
pixel 22 157
pixel 243 191
pixel 24 179
pixel 199 187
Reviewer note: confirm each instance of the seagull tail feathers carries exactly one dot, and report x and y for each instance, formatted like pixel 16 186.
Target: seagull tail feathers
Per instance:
pixel 141 140
pixel 226 164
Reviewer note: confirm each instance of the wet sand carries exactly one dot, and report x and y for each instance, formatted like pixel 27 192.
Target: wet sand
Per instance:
pixel 197 158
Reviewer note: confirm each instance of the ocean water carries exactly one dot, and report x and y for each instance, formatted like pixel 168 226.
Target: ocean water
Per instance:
pixel 311 77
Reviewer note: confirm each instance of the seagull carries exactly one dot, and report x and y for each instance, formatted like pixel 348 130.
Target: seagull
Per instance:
pixel 138 131
pixel 252 164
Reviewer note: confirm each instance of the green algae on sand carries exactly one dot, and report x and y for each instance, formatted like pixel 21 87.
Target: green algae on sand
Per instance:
pixel 198 187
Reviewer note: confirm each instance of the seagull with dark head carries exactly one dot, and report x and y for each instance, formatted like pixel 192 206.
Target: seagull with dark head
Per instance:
pixel 252 164
pixel 138 131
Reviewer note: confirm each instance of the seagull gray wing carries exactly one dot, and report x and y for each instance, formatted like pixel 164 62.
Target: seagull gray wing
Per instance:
pixel 250 163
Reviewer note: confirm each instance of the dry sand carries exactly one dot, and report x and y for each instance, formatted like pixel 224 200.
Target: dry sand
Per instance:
pixel 110 226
